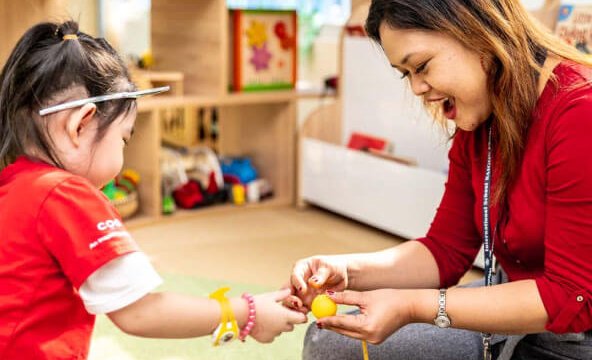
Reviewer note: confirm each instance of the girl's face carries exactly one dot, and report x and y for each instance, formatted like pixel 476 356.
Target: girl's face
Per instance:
pixel 99 160
pixel 106 160
pixel 442 71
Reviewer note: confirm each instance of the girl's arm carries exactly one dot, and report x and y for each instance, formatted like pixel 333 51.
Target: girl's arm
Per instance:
pixel 168 315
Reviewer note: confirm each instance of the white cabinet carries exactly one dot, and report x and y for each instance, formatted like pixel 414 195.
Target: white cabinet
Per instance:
pixel 390 196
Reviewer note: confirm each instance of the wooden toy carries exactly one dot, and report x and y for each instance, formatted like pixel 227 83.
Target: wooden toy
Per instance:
pixel 263 49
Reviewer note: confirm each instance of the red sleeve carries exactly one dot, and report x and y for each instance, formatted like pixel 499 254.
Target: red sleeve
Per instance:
pixel 453 238
pixel 81 229
pixel 566 284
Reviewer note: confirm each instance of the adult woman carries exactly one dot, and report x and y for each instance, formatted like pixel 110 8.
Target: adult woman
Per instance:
pixel 518 183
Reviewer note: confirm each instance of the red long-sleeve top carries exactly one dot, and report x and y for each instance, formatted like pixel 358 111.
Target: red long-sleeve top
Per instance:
pixel 548 233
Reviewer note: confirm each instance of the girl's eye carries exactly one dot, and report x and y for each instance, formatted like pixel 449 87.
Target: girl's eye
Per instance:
pixel 125 141
pixel 405 74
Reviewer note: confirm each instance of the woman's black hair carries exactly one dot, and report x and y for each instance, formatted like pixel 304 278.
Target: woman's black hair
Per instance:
pixel 43 66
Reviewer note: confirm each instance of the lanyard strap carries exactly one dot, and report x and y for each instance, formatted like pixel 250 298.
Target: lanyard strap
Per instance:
pixel 487 242
pixel 540 57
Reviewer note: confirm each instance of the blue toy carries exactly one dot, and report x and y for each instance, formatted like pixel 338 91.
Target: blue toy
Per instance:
pixel 240 168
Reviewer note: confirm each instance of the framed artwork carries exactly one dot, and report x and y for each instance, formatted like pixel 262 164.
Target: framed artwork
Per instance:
pixel 264 49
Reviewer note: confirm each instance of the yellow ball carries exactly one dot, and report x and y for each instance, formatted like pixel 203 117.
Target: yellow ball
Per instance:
pixel 322 306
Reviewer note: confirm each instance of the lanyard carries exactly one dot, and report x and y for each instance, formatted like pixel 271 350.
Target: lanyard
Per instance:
pixel 487 242
pixel 540 56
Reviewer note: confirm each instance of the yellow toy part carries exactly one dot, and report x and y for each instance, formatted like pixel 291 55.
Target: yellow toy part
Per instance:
pixel 322 306
pixel 131 175
pixel 228 328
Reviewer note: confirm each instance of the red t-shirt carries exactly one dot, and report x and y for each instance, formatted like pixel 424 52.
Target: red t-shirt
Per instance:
pixel 55 230
pixel 548 235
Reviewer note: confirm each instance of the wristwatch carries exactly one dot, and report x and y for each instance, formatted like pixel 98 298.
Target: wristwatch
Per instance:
pixel 442 320
pixel 228 328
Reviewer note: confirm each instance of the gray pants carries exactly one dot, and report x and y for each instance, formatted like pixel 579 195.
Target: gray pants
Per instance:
pixel 427 342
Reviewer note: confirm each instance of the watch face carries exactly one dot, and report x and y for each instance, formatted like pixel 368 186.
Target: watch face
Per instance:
pixel 442 321
pixel 227 337
pixel 222 335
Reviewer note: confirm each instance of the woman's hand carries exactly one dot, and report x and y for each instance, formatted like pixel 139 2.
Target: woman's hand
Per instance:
pixel 313 276
pixel 272 318
pixel 382 312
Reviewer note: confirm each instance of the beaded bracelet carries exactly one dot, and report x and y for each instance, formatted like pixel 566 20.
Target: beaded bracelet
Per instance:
pixel 251 318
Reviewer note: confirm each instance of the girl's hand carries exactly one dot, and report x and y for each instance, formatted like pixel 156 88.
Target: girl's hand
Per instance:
pixel 382 312
pixel 315 275
pixel 272 318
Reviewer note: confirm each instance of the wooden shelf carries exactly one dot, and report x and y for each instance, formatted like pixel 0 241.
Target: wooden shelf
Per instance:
pixel 260 126
pixel 236 99
pixel 192 38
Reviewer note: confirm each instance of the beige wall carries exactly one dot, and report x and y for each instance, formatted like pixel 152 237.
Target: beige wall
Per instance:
pixel 17 16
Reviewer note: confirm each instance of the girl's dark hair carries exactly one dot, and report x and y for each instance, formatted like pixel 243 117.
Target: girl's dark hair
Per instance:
pixel 43 66
pixel 505 35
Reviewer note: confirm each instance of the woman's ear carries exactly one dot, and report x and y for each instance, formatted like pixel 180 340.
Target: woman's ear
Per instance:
pixel 79 121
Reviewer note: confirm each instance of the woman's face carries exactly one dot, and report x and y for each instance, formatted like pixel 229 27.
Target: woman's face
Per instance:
pixel 442 71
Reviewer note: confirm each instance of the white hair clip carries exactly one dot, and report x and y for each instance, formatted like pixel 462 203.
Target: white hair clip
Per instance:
pixel 96 99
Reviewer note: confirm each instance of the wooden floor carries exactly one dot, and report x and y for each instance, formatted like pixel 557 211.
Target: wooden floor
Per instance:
pixel 258 245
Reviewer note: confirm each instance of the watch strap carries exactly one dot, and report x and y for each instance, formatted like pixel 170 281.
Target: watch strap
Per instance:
pixel 228 328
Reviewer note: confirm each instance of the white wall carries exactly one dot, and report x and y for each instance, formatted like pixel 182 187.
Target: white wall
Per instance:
pixel 378 102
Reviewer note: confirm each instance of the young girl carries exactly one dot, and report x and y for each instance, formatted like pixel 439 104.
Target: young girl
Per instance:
pixel 64 252
pixel 519 185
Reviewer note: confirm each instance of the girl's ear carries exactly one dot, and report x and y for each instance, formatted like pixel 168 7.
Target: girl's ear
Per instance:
pixel 79 121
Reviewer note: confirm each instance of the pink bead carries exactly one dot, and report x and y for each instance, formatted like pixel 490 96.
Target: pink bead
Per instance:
pixel 251 317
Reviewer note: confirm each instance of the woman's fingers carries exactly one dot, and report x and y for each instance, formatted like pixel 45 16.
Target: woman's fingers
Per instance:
pixel 319 278
pixel 348 333
pixel 353 323
pixel 347 297
pixel 299 274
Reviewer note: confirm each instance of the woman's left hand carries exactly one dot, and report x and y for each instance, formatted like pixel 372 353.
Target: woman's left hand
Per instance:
pixel 382 312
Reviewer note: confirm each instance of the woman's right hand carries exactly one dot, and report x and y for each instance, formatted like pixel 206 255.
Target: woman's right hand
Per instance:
pixel 272 318
pixel 313 276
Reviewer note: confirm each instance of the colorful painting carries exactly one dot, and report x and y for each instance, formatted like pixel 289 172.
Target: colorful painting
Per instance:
pixel 264 49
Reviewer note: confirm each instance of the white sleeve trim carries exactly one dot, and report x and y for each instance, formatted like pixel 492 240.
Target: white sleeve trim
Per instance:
pixel 118 283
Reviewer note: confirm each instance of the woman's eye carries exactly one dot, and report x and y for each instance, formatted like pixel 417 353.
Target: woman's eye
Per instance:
pixel 125 141
pixel 418 70
pixel 421 68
